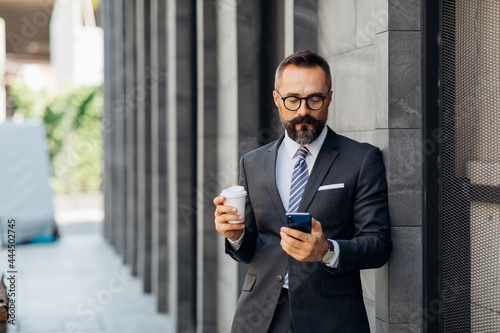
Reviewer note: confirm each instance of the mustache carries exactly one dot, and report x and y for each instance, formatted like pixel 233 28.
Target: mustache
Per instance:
pixel 306 119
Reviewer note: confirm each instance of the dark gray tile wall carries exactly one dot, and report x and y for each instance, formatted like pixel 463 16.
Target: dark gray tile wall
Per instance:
pixel 404 15
pixel 405 105
pixel 405 165
pixel 405 177
pixel 405 302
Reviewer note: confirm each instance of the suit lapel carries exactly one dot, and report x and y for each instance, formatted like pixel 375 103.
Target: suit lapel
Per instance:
pixel 324 161
pixel 270 164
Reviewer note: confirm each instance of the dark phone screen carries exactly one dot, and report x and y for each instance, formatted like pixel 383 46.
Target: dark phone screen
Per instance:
pixel 299 221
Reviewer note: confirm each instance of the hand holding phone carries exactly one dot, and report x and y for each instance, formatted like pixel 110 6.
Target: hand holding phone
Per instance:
pixel 299 221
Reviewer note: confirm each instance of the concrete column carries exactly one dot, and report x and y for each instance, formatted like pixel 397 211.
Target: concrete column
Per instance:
pixel 250 45
pixel 305 25
pixel 227 147
pixel 398 307
pixel 118 107
pixel 108 124
pixel 288 30
pixel 368 48
pixel 144 140
pixel 159 133
pixel 181 162
pixel 131 153
pixel 3 100
pixel 250 49
pixel 207 183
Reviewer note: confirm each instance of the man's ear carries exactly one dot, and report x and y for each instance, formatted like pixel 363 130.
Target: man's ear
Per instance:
pixel 329 99
pixel 276 98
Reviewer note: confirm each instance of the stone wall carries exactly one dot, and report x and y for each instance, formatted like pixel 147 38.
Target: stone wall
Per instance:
pixel 374 51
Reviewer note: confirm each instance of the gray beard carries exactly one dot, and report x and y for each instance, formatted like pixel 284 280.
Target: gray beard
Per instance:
pixel 303 136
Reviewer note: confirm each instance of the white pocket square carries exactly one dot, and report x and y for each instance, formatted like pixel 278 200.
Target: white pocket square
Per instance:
pixel 331 187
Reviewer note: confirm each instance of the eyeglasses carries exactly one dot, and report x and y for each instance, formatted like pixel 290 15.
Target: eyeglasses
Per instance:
pixel 293 103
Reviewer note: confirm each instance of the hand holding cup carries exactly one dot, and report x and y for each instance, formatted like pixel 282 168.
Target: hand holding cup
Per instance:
pixel 230 212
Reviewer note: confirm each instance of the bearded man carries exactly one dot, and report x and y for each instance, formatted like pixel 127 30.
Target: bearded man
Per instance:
pixel 299 281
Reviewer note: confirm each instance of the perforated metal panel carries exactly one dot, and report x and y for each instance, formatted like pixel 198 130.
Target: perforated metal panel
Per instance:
pixel 471 166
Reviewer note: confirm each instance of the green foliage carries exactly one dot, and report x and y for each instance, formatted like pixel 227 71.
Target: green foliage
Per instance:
pixel 73 128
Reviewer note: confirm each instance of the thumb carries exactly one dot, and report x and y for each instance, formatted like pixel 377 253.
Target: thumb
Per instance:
pixel 316 226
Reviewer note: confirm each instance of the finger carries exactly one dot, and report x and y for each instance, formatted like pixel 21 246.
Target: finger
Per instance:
pixel 221 209
pixel 225 218
pixel 294 233
pixel 291 241
pixel 299 249
pixel 296 253
pixel 219 200
pixel 226 226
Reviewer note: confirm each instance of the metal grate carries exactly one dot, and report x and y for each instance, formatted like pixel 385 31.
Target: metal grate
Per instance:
pixel 471 165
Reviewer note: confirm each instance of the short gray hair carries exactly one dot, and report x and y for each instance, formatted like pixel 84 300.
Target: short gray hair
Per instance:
pixel 304 59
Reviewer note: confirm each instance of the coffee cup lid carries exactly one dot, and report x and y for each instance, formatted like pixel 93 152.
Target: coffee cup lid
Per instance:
pixel 234 192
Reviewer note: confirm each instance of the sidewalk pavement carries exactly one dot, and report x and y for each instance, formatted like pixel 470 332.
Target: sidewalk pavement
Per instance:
pixel 79 284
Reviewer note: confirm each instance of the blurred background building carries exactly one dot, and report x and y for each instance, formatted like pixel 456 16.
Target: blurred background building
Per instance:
pixel 51 61
pixel 27 43
pixel 76 43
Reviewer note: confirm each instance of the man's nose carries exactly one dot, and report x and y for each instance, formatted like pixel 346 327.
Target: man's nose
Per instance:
pixel 304 109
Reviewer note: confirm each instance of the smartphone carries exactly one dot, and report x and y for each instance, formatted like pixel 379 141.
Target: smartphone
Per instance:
pixel 299 221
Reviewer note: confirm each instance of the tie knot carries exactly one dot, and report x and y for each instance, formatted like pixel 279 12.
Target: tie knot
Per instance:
pixel 302 152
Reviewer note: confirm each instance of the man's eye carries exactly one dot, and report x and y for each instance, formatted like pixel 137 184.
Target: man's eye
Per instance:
pixel 315 99
pixel 293 99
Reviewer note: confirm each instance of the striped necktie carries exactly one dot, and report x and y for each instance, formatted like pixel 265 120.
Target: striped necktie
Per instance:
pixel 299 180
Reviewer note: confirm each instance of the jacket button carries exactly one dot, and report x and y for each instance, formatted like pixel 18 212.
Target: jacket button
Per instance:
pixel 279 278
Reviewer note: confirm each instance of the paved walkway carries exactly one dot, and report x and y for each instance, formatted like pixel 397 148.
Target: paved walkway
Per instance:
pixel 79 284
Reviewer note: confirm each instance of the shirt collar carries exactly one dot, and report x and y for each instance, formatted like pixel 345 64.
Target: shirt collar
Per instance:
pixel 314 147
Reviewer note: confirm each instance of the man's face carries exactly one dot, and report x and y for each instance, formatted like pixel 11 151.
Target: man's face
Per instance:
pixel 303 125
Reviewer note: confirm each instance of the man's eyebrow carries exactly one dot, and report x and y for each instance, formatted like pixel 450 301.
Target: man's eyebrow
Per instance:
pixel 310 95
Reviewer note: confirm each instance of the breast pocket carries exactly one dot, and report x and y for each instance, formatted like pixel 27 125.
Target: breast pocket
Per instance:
pixel 332 208
pixel 333 192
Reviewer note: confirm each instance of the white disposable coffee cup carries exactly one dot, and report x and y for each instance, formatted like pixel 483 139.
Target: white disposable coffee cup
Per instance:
pixel 235 197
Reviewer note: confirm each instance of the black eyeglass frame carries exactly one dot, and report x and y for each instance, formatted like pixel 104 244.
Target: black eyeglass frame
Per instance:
pixel 307 101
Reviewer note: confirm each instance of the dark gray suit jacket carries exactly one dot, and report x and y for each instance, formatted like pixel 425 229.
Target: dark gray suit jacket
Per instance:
pixel 356 216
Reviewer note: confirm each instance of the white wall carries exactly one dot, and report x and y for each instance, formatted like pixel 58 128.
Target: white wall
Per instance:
pixel 77 49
